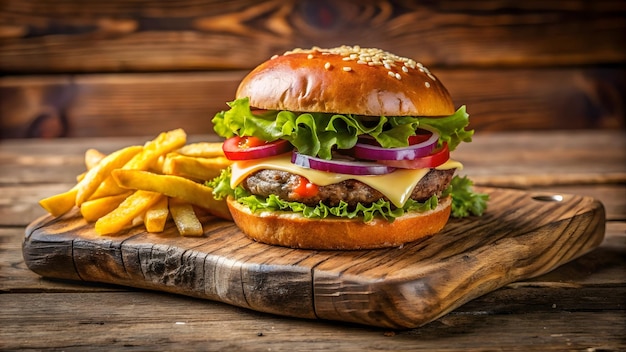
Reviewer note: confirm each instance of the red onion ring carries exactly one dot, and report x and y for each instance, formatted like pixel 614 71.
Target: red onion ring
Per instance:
pixel 340 166
pixel 438 157
pixel 414 151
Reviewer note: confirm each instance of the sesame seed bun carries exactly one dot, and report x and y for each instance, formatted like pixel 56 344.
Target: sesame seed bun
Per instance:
pixel 346 80
pixel 289 229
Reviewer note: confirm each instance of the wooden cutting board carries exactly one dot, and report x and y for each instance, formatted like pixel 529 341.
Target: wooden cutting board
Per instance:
pixel 522 235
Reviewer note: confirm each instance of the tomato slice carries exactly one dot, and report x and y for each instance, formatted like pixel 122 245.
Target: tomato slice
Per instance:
pixel 419 138
pixel 244 148
pixel 438 157
pixel 305 188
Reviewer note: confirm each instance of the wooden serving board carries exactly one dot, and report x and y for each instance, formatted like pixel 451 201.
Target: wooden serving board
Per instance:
pixel 522 235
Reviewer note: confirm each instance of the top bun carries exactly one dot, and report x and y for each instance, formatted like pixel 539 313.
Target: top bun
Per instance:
pixel 346 80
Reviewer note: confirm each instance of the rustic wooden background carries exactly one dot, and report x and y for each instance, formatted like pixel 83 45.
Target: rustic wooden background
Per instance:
pixel 122 67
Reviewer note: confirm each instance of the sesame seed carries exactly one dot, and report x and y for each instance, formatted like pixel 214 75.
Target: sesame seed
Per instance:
pixel 310 56
pixel 273 57
pixel 391 74
pixel 427 84
pixel 398 76
pixel 327 66
pixel 370 56
pixel 347 69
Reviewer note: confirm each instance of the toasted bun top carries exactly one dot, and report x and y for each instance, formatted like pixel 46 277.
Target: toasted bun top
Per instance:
pixel 346 80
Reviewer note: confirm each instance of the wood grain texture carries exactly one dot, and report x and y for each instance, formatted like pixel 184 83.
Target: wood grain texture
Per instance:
pixel 161 322
pixel 70 68
pixel 520 237
pixel 123 36
pixel 146 104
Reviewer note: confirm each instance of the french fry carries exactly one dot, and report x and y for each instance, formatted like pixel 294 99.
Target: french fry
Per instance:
pixel 158 165
pixel 135 205
pixel 202 169
pixel 61 203
pixel 185 218
pixel 94 209
pixel 164 143
pixel 202 150
pixel 156 216
pixel 173 186
pixel 127 188
pixel 94 177
pixel 93 157
pixel 107 188
pixel 137 220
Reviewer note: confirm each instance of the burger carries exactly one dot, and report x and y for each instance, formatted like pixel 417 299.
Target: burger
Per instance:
pixel 343 148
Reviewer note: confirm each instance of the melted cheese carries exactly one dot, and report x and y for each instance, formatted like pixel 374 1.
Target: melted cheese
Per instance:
pixel 397 186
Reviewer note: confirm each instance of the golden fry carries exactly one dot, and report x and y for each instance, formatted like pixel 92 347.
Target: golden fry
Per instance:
pixel 173 186
pixel 133 206
pixel 185 218
pixel 156 216
pixel 94 209
pixel 137 220
pixel 158 164
pixel 107 188
pixel 152 150
pixel 118 190
pixel 61 203
pixel 201 169
pixel 164 143
pixel 94 177
pixel 202 150
pixel 93 157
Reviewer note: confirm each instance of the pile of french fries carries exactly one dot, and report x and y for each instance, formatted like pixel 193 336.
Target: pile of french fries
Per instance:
pixel 146 184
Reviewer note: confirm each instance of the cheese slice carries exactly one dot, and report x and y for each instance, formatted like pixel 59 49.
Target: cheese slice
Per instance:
pixel 397 186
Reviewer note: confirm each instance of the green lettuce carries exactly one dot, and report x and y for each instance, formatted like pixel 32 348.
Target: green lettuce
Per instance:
pixel 464 202
pixel 316 134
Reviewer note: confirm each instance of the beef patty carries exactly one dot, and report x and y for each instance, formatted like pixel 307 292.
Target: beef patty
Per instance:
pixel 282 184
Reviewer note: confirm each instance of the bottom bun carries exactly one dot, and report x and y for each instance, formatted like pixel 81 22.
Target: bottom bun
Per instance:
pixel 293 230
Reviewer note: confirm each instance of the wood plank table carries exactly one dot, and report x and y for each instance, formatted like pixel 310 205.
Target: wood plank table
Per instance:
pixel 578 306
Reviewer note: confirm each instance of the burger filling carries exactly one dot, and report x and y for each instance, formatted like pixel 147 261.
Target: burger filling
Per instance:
pixel 288 186
pixel 343 147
